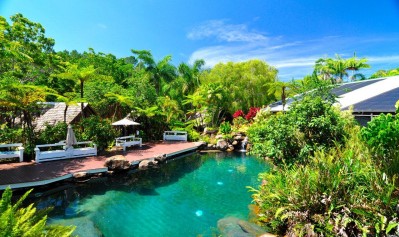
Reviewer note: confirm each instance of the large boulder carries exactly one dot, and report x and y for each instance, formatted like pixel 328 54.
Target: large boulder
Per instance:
pixel 144 164
pixel 117 162
pixel 161 158
pixel 222 145
pixel 234 227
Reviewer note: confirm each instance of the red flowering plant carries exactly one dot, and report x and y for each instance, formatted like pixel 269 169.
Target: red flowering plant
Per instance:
pixel 239 118
pixel 251 113
pixel 238 113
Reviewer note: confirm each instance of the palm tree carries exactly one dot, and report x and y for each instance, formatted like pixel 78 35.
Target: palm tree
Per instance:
pixel 191 75
pixel 280 89
pixel 161 72
pixel 120 100
pixel 353 64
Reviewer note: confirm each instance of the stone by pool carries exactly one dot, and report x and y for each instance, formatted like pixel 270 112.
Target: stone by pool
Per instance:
pixel 184 197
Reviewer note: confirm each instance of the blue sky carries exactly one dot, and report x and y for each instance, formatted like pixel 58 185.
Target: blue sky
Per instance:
pixel 288 34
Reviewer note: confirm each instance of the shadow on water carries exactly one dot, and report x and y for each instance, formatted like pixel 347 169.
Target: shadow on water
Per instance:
pixel 64 198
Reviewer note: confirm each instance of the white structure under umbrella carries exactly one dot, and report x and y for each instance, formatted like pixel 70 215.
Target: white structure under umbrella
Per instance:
pixel 125 122
pixel 70 139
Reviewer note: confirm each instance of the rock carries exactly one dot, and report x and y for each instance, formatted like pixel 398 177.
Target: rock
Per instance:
pixel 219 136
pixel 211 146
pixel 144 164
pixel 238 138
pixel 231 148
pixel 210 131
pixel 79 175
pixel 222 145
pixel 117 162
pixel 160 158
pixel 252 229
pixel 234 227
pixel 234 143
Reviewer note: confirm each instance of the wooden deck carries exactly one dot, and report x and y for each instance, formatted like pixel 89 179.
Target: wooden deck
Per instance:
pixel 30 174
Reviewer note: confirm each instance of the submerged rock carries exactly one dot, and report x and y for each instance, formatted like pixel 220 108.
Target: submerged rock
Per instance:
pixel 117 162
pixel 234 227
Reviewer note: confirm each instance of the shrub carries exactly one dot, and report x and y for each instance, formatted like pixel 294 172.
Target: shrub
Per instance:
pixel 275 138
pixel 53 133
pixel 310 125
pixel 382 134
pixel 382 137
pixel 10 135
pixel 98 130
pixel 19 221
pixel 225 128
pixel 318 121
pixel 339 193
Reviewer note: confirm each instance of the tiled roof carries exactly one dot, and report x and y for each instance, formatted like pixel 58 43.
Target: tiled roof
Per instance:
pixel 56 114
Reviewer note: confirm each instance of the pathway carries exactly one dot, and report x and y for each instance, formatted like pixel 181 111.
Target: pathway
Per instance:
pixel 29 174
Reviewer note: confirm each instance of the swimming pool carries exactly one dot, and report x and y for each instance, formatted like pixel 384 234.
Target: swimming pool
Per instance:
pixel 184 197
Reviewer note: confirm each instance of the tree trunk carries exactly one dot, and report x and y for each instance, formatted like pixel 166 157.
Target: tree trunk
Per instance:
pixel 81 96
pixel 65 112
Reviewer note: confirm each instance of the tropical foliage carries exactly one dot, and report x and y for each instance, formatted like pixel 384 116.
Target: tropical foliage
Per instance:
pixel 341 192
pixel 16 220
pixel 311 124
pixel 336 70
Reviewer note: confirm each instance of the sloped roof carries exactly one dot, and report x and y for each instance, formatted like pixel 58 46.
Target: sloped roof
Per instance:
pixel 374 95
pixel 56 114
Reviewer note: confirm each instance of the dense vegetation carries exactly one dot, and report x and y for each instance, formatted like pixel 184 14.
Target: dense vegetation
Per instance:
pixel 157 94
pixel 331 178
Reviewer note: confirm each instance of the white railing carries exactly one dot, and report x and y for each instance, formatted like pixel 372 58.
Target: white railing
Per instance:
pixel 175 136
pixel 62 152
pixel 14 150
pixel 128 141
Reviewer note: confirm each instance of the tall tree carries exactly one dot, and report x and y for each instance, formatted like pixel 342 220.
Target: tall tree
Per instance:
pixel 161 72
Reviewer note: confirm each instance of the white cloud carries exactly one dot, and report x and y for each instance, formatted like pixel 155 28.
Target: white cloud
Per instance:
pixel 295 59
pixel 222 31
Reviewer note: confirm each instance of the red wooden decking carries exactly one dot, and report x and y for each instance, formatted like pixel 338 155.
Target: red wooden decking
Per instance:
pixel 29 174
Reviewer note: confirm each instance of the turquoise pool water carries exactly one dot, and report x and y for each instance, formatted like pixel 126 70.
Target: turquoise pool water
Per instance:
pixel 185 197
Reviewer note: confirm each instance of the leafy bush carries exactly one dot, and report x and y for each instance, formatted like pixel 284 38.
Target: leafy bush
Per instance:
pixel 10 135
pixel 225 128
pixel 53 133
pixel 382 134
pixel 382 137
pixel 318 121
pixel 18 221
pixel 310 125
pixel 339 193
pixel 275 138
pixel 98 130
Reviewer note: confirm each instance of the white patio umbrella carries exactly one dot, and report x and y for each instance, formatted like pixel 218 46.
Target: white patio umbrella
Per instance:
pixel 125 122
pixel 70 139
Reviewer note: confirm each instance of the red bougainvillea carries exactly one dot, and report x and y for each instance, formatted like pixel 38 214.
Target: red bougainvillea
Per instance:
pixel 251 113
pixel 238 113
